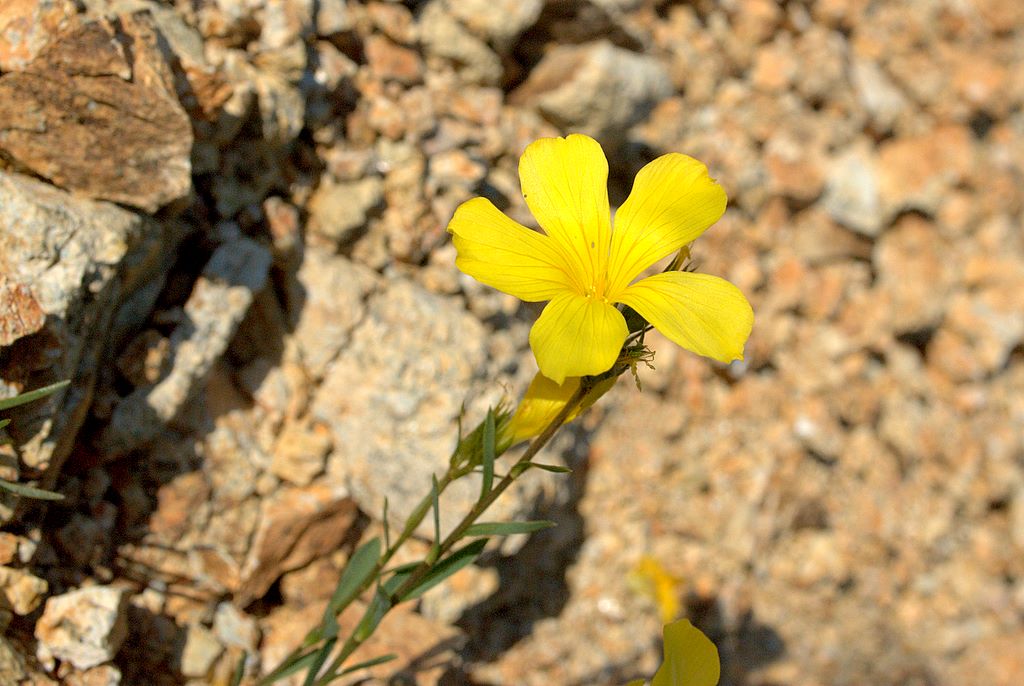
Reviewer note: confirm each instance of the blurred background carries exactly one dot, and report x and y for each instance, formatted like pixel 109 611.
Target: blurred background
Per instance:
pixel 224 221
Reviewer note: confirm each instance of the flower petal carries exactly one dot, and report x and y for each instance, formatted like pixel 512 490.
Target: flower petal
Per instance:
pixel 565 185
pixel 699 312
pixel 577 336
pixel 504 254
pixel 544 399
pixel 691 659
pixel 672 202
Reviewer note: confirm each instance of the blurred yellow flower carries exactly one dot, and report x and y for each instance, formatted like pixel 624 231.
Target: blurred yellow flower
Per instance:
pixel 544 399
pixel 651 578
pixel 584 267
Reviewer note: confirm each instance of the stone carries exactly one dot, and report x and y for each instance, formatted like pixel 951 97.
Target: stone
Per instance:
pixel 301 453
pixel 880 97
pixel 104 675
pixel 234 629
pixel 916 172
pixel 20 313
pixel 85 627
pixel 571 86
pixel 296 525
pixel 339 211
pixel 389 61
pixel 913 266
pixel 443 36
pixel 12 663
pixel 20 590
pixel 84 93
pixel 81 261
pixel 852 197
pixel 499 22
pixel 334 293
pixel 220 299
pixel 28 26
pixel 200 652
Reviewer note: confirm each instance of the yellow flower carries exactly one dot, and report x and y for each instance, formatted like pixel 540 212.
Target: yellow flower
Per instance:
pixel 691 659
pixel 544 399
pixel 585 268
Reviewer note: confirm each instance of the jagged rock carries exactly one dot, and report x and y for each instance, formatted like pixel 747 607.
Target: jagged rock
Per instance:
pixel 20 590
pixel 572 87
pixel 84 627
pixel 220 299
pixel 87 92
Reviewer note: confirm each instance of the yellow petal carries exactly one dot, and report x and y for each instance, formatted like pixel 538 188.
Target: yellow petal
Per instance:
pixel 504 254
pixel 565 185
pixel 577 336
pixel 672 202
pixel 544 399
pixel 691 659
pixel 699 312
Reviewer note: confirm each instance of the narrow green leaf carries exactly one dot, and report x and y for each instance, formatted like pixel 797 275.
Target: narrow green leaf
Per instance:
pixel 4 422
pixel 29 491
pixel 236 677
pixel 460 558
pixel 556 468
pixel 291 666
pixel 488 458
pixel 369 663
pixel 507 528
pixel 387 527
pixel 357 571
pixel 435 547
pixel 8 403
pixel 378 607
pixel 318 661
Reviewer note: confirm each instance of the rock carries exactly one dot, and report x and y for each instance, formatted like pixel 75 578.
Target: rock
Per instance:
pixel 295 526
pixel 852 195
pixel 104 675
pixel 220 299
pixel 499 22
pixel 235 629
pixel 443 36
pixel 200 651
pixel 880 97
pixel 913 267
pixel 916 172
pixel 84 92
pixel 389 61
pixel 391 402
pixel 21 591
pixel 28 26
pixel 87 266
pixel 338 211
pixel 571 86
pixel 300 454
pixel 84 627
pixel 20 313
pixel 12 663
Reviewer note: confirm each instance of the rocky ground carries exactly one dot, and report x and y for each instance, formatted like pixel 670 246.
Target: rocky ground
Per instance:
pixel 224 221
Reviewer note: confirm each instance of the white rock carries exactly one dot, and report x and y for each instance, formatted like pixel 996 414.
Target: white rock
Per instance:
pixel 84 627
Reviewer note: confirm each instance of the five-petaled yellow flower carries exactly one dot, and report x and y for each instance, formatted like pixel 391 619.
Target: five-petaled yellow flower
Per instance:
pixel 585 268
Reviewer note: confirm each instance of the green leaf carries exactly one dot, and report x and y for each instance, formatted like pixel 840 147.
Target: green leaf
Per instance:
pixel 318 661
pixel 435 547
pixel 359 568
pixel 488 457
pixel 4 422
pixel 520 467
pixel 690 657
pixel 378 607
pixel 462 557
pixel 369 663
pixel 29 491
pixel 387 528
pixel 507 528
pixel 8 403
pixel 637 682
pixel 236 677
pixel 291 666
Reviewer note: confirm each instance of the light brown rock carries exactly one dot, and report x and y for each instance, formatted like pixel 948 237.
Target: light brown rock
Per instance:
pixel 85 93
pixel 84 627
